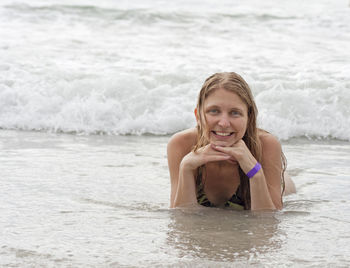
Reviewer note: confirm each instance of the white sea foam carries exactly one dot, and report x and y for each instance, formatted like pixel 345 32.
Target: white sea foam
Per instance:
pixel 137 68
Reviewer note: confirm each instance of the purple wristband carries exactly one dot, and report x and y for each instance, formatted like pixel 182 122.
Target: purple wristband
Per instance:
pixel 254 170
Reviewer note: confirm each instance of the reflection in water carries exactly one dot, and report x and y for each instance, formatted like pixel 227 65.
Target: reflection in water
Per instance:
pixel 222 235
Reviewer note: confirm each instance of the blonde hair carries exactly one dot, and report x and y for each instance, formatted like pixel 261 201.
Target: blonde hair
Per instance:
pixel 232 82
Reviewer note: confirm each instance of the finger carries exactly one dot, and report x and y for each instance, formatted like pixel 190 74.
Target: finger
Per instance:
pixel 208 154
pixel 222 149
pixel 232 161
pixel 217 153
pixel 239 142
pixel 211 150
pixel 220 143
pixel 202 149
pixel 213 158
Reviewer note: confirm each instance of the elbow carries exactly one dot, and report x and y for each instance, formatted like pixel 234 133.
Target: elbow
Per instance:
pixel 279 207
pixel 184 204
pixel 278 204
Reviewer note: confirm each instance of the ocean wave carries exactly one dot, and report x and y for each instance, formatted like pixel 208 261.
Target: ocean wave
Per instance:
pixel 139 15
pixel 137 68
pixel 130 105
pixel 117 106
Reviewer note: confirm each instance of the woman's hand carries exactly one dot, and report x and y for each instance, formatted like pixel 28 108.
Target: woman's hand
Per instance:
pixel 206 154
pixel 240 153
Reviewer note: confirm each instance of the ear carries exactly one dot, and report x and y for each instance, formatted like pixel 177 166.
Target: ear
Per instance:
pixel 196 114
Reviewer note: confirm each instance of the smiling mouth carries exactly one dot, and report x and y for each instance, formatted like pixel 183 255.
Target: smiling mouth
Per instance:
pixel 223 134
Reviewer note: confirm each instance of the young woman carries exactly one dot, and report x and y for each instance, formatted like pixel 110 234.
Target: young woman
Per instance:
pixel 227 161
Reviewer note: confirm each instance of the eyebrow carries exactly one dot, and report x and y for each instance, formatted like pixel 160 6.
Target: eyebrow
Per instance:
pixel 232 109
pixel 212 106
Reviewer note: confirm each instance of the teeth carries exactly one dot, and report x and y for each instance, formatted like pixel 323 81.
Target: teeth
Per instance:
pixel 223 133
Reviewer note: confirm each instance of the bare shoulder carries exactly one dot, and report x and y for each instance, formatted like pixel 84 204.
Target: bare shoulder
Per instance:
pixel 182 141
pixel 269 143
pixel 179 145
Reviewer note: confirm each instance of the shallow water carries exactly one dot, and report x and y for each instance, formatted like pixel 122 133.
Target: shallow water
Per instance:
pixel 87 201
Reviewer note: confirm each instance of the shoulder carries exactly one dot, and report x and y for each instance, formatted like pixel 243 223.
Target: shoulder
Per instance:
pixel 269 144
pixel 183 140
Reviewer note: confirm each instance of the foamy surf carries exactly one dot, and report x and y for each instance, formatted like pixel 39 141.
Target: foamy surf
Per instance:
pixel 117 68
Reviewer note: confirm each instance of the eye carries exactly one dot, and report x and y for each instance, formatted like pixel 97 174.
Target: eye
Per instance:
pixel 213 111
pixel 236 113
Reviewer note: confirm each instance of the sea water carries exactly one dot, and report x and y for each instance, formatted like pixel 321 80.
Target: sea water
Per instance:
pixel 90 92
pixel 103 201
pixel 133 68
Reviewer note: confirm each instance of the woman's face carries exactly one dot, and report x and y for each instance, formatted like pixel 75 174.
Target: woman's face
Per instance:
pixel 226 117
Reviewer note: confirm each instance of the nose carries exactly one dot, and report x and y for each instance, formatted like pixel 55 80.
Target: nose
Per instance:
pixel 224 122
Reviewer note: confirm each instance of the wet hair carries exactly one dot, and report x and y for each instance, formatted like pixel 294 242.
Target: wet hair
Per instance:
pixel 233 82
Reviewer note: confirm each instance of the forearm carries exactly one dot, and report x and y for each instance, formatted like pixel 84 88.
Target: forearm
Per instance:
pixel 186 188
pixel 259 193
